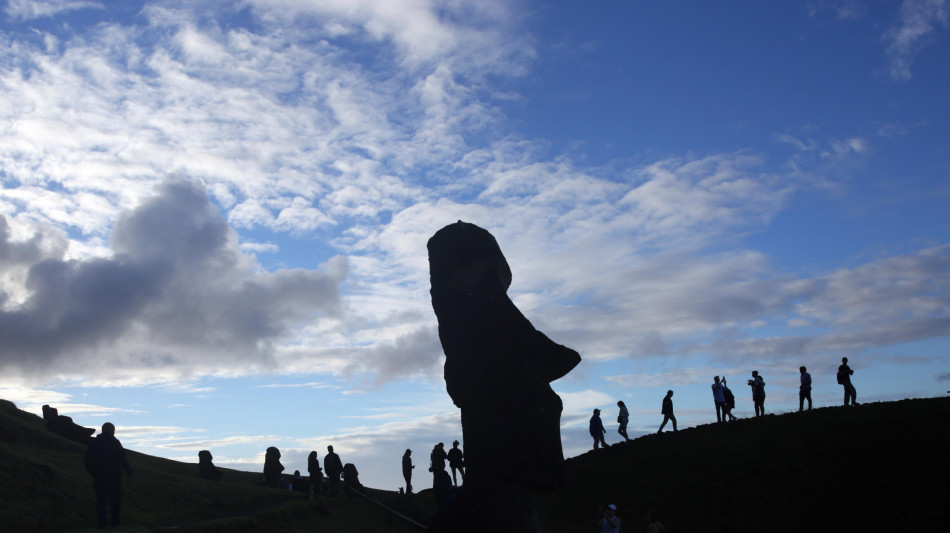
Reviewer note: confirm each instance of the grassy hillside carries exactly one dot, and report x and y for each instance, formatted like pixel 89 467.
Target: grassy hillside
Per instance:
pixel 46 488
pixel 878 467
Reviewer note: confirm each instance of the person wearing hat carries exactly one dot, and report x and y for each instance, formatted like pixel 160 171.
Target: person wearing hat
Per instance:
pixel 609 522
pixel 597 429
pixel 456 462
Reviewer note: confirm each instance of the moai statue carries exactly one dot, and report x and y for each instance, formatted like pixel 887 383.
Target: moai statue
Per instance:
pixel 498 370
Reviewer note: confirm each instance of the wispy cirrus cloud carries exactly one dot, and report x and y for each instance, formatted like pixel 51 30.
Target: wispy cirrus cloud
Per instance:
pixel 33 9
pixel 920 23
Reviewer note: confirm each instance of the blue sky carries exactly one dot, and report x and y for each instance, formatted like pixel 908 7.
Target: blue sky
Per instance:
pixel 214 218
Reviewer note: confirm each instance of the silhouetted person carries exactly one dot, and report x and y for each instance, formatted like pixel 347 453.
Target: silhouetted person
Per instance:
pixel 497 362
pixel 804 390
pixel 456 462
pixel 597 430
pixel 316 475
pixel 272 467
pixel 407 467
pixel 299 483
pixel 844 378
pixel 437 461
pixel 105 460
pixel 653 522
pixel 622 419
pixel 351 479
pixel 730 403
pixel 608 521
pixel 719 398
pixel 667 411
pixel 758 393
pixel 206 468
pixel 333 467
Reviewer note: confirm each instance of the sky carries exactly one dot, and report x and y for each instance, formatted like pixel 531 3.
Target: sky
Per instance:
pixel 214 215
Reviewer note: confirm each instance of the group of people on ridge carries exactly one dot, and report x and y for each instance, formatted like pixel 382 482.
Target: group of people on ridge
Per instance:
pixel 442 484
pixel 725 402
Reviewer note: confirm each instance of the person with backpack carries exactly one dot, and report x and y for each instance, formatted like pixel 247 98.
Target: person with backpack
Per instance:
pixel 758 393
pixel 844 378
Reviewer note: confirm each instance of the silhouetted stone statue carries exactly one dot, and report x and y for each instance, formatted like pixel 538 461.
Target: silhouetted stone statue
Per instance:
pixel 206 468
pixel 351 479
pixel 272 467
pixel 65 427
pixel 498 370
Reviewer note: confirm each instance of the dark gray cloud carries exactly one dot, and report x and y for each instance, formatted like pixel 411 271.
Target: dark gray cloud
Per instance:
pixel 176 291
pixel 409 354
pixel 944 377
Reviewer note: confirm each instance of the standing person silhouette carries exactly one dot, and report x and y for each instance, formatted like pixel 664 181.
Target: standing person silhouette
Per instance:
pixel 720 398
pixel 597 430
pixel 333 467
pixel 437 459
pixel 456 462
pixel 622 419
pixel 407 467
pixel 758 393
pixel 804 390
pixel 730 402
pixel 316 475
pixel 105 459
pixel 844 378
pixel 667 411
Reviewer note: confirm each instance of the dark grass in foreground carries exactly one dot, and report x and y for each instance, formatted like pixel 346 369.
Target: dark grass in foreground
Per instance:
pixel 878 467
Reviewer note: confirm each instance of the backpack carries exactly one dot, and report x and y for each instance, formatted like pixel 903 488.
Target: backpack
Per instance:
pixel 840 378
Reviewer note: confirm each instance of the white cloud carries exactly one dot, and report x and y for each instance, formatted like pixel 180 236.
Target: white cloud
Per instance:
pixel 34 9
pixel 919 24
